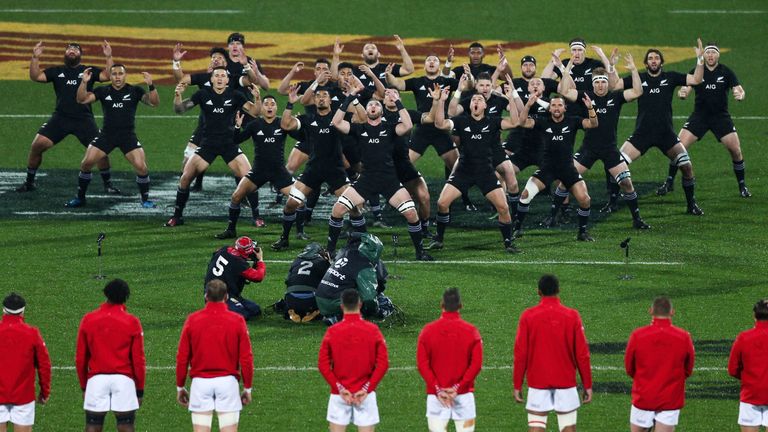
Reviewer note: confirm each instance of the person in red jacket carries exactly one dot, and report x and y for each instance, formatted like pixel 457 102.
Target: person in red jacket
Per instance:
pixel 659 358
pixel 353 359
pixel 550 345
pixel 748 363
pixel 22 350
pixel 230 264
pixel 215 349
pixel 110 361
pixel 449 355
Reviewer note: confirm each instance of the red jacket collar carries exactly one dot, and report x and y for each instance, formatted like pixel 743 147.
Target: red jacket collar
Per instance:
pixel 761 324
pixel 352 316
pixel 450 315
pixel 550 300
pixel 13 319
pixel 216 306
pixel 661 322
pixel 112 306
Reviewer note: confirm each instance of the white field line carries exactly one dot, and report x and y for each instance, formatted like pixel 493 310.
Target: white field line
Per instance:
pixel 124 11
pixel 180 117
pixel 496 262
pixel 394 369
pixel 716 11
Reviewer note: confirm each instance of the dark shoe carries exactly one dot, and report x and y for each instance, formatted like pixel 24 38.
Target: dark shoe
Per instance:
pixel 640 224
pixel 174 221
pixel 26 187
pixel 111 189
pixel 470 207
pixel 148 204
pixel 197 186
pixel 548 222
pixel 435 245
pixel 424 257
pixel 610 207
pixel 665 188
pixel 226 234
pixel 518 233
pixel 512 249
pixel 742 190
pixel 75 202
pixel 695 210
pixel 426 234
pixel 302 236
pixel 280 245
pixel 584 236
pixel 331 320
pixel 565 215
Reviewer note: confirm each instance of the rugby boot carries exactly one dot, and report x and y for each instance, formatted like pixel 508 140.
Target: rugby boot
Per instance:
pixel 302 236
pixel 584 236
pixel 75 202
pixel 435 245
pixel 259 223
pixel 640 224
pixel 226 234
pixel 281 244
pixel 695 210
pixel 424 257
pixel 743 191
pixel 665 188
pixel 111 189
pixel 174 222
pixel 148 204
pixel 26 187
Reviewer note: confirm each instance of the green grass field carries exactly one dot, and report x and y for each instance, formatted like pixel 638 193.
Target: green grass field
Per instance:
pixel 712 266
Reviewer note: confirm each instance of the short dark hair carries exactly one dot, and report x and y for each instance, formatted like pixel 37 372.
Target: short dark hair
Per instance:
pixel 761 310
pixel 662 306
pixel 118 65
pixel 346 65
pixel 323 88
pixel 236 37
pixel 215 290
pixel 483 76
pixel 711 43
pixel 577 40
pixel 557 96
pixel 451 300
pixel 217 50
pixel 14 302
pixel 323 60
pixel 218 68
pixel 350 299
pixel 117 291
pixel 269 96
pixel 599 71
pixel 653 50
pixel 476 45
pixel 549 285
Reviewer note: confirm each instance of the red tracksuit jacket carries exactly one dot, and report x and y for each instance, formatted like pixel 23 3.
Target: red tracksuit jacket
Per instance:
pixel 214 342
pixel 659 358
pixel 21 351
pixel 353 354
pixel 110 341
pixel 549 346
pixel 449 352
pixel 749 363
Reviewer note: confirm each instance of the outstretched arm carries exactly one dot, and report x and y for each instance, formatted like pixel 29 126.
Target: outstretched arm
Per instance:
pixel 637 86
pixel 337 50
pixel 253 108
pixel 285 84
pixel 698 74
pixel 83 95
pixel 35 74
pixel 407 67
pixel 393 80
pixel 181 106
pixel 288 122
pixel 107 49
pixel 150 98
pixel 523 119
pixel 178 73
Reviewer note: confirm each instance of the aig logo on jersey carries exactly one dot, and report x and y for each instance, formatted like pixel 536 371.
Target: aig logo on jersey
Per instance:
pixel 117 105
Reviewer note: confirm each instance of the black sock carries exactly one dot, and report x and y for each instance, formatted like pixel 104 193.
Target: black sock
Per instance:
pixel 414 230
pixel 199 179
pixel 738 169
pixel 558 198
pixel 31 173
pixel 106 176
pixel 253 201
pixel 506 233
pixel 465 199
pixel 334 229
pixel 234 215
pixel 288 219
pixel 83 180
pixel 522 212
pixel 309 205
pixel 182 195
pixel 443 219
pixel 583 218
pixel 613 191
pixel 375 203
pixel 143 183
pixel 358 223
pixel 688 187
pixel 631 199
pixel 512 200
pixel 672 172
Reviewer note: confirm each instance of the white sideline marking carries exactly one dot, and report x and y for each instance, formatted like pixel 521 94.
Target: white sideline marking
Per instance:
pixel 496 262
pixel 125 11
pixel 396 368
pixel 715 11
pixel 189 117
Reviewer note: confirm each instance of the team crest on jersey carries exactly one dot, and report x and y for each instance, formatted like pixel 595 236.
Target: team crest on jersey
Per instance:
pixel 228 102
pixel 609 103
pixel 486 129
pixel 126 97
pixel 588 71
pixel 565 130
pixel 492 110
pixel 720 79
pixel 278 132
pixel 80 75
pixel 663 83
pixel 383 133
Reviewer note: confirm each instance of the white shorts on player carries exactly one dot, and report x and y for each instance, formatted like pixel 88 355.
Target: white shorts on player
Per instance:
pixel 463 408
pixel 646 419
pixel 221 394
pixel 342 413
pixel 558 400
pixel 114 392
pixel 753 415
pixel 21 415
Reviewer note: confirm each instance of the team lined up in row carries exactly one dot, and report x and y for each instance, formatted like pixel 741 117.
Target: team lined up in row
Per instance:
pixel 215 350
pixel 354 120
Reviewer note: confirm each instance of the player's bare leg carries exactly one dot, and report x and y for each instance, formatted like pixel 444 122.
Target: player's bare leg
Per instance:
pixel 532 187
pixel 40 144
pixel 240 167
pixel 448 195
pixel 508 171
pixel 296 198
pixel 536 425
pixel 403 203
pixel 686 139
pixel 188 152
pixel 296 158
pixel 348 201
pixel 244 187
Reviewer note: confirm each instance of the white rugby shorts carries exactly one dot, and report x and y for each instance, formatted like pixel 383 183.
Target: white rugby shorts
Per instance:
pixel 22 415
pixel 341 413
pixel 112 392
pixel 221 394
pixel 558 400
pixel 753 415
pixel 463 408
pixel 645 418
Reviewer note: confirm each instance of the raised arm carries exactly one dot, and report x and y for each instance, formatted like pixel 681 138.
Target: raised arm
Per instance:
pixel 406 68
pixel 429 117
pixel 394 81
pixel 178 73
pixel 288 122
pixel 500 69
pixel 637 86
pixel 377 84
pixel 35 74
pixel 83 95
pixel 253 108
pixel 241 133
pixel 566 86
pixel 440 121
pixel 524 120
pixel 255 76
pixel 513 119
pixel 107 49
pixel 469 84
pixel 309 95
pixel 181 106
pixel 446 71
pixel 454 107
pixel 150 98
pixel 338 48
pixel 549 69
pixel 591 122
pixel 285 84
pixel 405 124
pixel 698 74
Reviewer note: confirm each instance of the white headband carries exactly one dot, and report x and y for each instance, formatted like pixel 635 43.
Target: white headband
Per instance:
pixel 578 43
pixel 13 311
pixel 711 47
pixel 599 77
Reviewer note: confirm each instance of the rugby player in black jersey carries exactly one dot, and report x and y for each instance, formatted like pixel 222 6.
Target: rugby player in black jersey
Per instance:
pixel 710 113
pixel 476 54
pixel 325 163
pixel 377 140
pixel 268 147
pixel 581 65
pixel 118 103
pixel 219 104
pixel 371 57
pixel 202 79
pixel 240 65
pixel 479 135
pixel 653 127
pixel 69 117
pixel 559 134
pixel 600 143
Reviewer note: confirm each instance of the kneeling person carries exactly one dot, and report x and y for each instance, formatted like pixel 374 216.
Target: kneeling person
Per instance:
pixel 305 274
pixel 230 264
